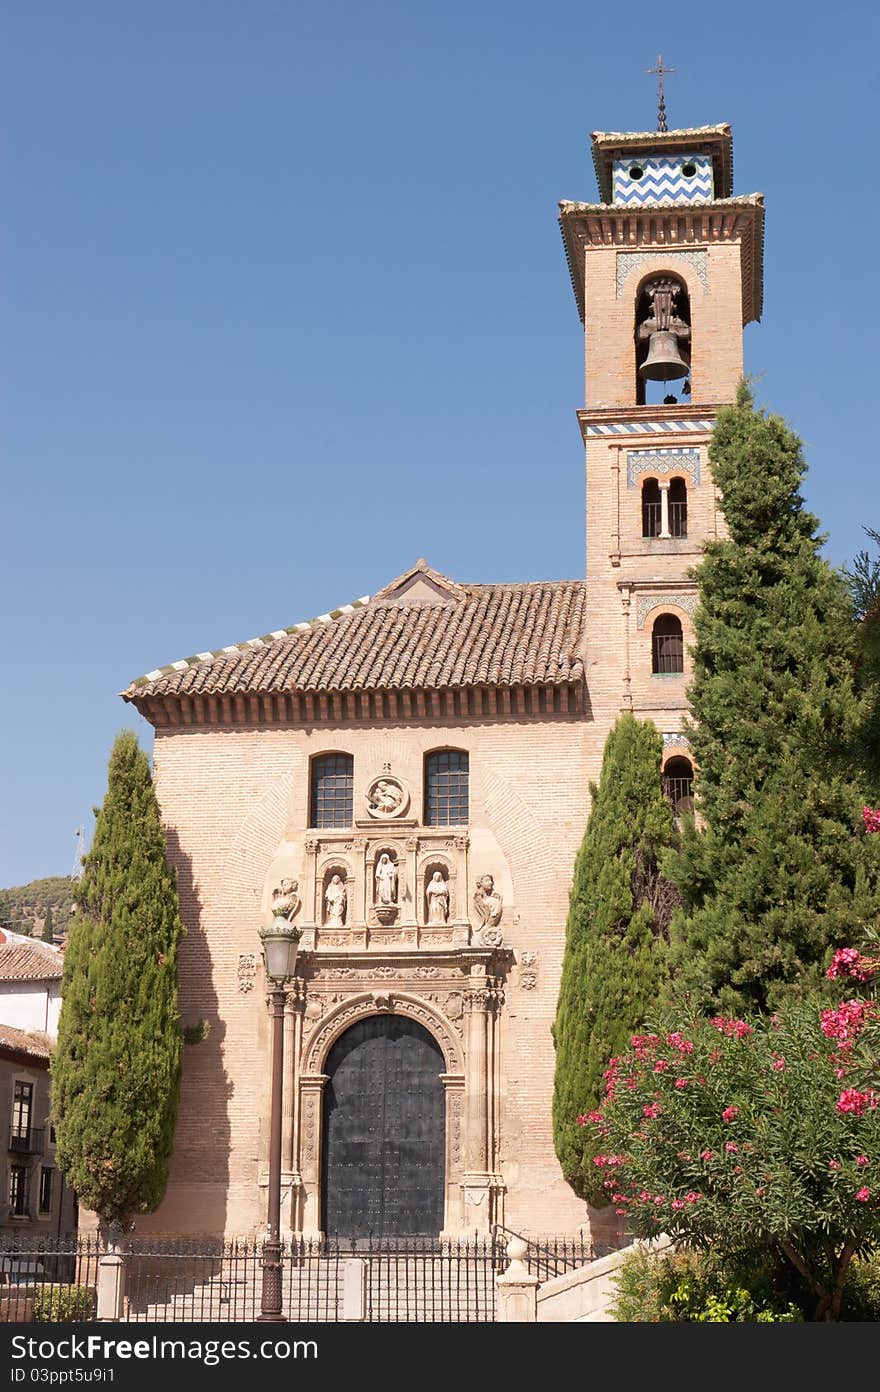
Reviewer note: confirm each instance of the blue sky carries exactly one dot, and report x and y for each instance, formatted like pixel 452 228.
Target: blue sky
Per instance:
pixel 285 307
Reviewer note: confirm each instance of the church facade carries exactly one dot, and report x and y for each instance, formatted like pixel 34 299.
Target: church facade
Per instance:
pixel 413 771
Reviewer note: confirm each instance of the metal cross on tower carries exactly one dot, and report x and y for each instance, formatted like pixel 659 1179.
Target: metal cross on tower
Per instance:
pixel 660 72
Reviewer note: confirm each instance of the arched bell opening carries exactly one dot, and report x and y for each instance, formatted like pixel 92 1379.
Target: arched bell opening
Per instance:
pixel 678 784
pixel 662 340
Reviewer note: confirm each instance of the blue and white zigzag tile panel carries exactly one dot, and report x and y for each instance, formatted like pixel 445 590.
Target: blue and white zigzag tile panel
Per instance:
pixel 662 180
pixel 650 427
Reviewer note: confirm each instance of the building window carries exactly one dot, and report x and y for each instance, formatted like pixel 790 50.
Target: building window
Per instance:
pixel 22 1103
pixel 46 1189
pixel 18 1191
pixel 446 788
pixel 678 784
pixel 650 508
pixel 678 508
pixel 332 791
pixel 667 646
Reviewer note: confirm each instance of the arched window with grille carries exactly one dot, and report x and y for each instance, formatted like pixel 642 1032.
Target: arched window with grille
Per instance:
pixel 650 508
pixel 667 646
pixel 678 507
pixel 331 802
pixel 678 784
pixel 446 788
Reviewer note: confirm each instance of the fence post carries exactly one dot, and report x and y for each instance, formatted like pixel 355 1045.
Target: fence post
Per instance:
pixel 517 1288
pixel 354 1289
pixel 111 1286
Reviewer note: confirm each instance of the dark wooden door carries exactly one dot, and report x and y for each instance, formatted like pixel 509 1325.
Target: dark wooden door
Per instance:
pixel 384 1131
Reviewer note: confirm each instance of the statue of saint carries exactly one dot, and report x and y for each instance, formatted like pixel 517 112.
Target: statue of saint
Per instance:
pixel 437 895
pixel 488 902
pixel 386 880
pixel 334 900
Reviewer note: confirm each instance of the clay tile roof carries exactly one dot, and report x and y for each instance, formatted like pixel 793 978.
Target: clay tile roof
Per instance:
pixel 34 961
pixel 36 1045
pixel 422 631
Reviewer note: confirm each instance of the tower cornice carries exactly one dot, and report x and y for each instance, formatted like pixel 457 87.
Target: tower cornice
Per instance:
pixel 669 227
pixel 690 422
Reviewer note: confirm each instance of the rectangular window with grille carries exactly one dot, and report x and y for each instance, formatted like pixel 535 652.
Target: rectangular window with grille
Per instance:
pixel 22 1102
pixel 18 1191
pixel 332 792
pixel 446 788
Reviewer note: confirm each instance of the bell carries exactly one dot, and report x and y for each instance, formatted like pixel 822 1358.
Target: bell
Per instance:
pixel 664 362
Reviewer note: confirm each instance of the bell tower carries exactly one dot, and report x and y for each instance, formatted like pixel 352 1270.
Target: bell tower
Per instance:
pixel 666 271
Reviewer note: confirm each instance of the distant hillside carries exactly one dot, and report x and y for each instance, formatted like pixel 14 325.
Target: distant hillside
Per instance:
pixel 23 907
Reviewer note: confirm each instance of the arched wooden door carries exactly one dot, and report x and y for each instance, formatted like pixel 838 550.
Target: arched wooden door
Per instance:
pixel 384 1131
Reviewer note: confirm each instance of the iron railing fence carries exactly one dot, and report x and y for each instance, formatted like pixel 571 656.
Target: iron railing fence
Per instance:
pixel 27 1140
pixel 48 1279
pixel 678 518
pixel 548 1256
pixel 680 793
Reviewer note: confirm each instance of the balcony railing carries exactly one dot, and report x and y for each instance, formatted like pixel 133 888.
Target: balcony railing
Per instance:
pixel 678 519
pixel 27 1140
pixel 652 519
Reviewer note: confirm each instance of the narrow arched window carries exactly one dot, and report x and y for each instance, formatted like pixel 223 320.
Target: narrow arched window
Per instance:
pixel 667 646
pixel 650 508
pixel 678 784
pixel 678 508
pixel 332 791
pixel 446 788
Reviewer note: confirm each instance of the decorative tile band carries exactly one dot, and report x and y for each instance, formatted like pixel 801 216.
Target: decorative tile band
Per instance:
pixel 662 176
pixel 645 603
pixel 627 261
pixel 673 740
pixel 662 461
pixel 655 427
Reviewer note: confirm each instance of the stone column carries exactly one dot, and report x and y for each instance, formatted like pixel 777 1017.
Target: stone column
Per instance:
pixel 416 912
pixel 454 1089
pixel 476 1181
pixel 310 898
pixel 311 1088
pixel 461 928
pixel 664 511
pixel 291 1181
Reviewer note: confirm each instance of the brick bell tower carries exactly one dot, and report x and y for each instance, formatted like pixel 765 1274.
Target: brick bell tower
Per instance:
pixel 667 271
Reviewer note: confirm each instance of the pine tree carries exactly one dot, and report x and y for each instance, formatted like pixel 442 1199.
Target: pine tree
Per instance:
pixel 615 946
pixel 48 926
pixel 863 582
pixel 781 872
pixel 115 1076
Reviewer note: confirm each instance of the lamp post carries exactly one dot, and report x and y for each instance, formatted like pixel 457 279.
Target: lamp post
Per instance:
pixel 280 941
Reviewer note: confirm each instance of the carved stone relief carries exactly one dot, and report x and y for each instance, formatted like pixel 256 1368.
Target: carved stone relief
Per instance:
pixel 386 798
pixel 247 970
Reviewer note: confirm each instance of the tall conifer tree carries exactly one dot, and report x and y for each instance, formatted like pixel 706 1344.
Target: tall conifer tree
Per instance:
pixel 615 945
pixel 48 934
pixel 115 1076
pixel 781 871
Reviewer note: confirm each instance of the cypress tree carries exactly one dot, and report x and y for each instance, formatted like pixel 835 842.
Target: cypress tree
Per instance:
pixel 780 872
pixel 115 1076
pixel 615 944
pixel 863 582
pixel 48 934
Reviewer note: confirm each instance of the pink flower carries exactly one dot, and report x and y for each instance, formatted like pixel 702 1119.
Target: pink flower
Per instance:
pixel 862 1160
pixel 681 1083
pixel 621 1212
pixel 707 1155
pixel 729 1113
pixel 851 1100
pixel 600 1160
pixel 676 1041
pixel 731 1147
pixel 653 1109
pixel 847 961
pixel 678 1203
pixel 845 1024
pixel 779 1064
pixel 644 1043
pixel 863 1195
pixel 661 1066
pixel 691 1197
pixel 834 1164
pixel 734 1029
pixel 659 1200
pixel 871 818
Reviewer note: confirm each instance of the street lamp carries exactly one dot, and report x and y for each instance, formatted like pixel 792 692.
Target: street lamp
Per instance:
pixel 280 941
